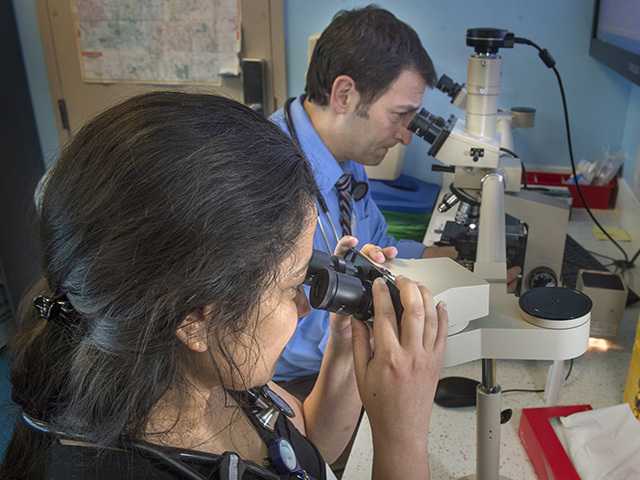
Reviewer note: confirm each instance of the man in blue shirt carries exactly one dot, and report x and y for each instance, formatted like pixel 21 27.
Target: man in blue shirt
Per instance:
pixel 366 80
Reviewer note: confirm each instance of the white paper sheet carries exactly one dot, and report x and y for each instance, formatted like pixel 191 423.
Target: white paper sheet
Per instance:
pixel 157 42
pixel 604 443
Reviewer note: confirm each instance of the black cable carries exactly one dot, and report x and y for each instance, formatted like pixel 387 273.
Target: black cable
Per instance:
pixel 510 152
pixel 524 170
pixel 176 465
pixel 575 173
pixel 539 390
pixel 523 390
pixel 570 370
pixel 525 183
pixel 548 60
pixel 601 255
pixel 464 196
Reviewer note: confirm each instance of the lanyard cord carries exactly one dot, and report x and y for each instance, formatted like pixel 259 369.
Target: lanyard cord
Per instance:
pixel 325 209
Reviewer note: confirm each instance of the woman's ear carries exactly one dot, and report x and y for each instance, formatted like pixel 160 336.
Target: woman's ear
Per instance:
pixel 193 332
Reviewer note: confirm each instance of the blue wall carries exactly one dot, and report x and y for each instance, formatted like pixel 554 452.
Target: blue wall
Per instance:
pixel 604 107
pixel 597 97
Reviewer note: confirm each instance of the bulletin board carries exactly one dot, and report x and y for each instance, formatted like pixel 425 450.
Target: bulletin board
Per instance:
pixel 157 41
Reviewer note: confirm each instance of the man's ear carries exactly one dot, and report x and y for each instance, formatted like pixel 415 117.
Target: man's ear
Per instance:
pixel 344 96
pixel 193 331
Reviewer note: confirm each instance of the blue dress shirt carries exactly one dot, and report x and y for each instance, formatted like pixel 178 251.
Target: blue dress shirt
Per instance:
pixel 303 354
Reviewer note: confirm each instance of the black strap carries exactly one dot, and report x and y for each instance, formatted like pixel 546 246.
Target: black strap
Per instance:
pixel 139 457
pixel 231 467
pixel 283 429
pixel 243 399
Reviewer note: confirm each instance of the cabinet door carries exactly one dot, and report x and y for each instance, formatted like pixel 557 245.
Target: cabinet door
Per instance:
pixel 78 100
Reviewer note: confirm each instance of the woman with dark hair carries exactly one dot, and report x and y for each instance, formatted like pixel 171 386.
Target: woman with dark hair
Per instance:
pixel 176 231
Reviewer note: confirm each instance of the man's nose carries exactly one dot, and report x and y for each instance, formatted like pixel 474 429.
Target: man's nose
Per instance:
pixel 404 136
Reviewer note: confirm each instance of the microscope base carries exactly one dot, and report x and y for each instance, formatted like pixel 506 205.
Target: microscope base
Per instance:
pixel 505 335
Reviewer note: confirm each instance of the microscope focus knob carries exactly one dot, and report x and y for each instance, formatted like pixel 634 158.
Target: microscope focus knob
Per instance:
pixel 541 277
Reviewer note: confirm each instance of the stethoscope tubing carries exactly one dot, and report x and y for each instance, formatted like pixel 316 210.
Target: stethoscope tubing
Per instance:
pixel 322 204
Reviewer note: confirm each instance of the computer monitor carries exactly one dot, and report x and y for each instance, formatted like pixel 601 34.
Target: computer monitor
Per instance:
pixel 615 39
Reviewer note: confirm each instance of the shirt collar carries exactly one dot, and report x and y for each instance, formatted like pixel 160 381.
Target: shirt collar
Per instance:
pixel 326 168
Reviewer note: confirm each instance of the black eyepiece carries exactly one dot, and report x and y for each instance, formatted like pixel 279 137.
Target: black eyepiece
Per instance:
pixel 432 129
pixel 344 284
pixel 426 125
pixel 447 86
pixel 337 292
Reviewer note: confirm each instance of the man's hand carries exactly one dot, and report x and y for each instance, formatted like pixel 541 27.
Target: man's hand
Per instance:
pixel 345 244
pixel 512 278
pixel 340 324
pixel 438 252
pixel 379 254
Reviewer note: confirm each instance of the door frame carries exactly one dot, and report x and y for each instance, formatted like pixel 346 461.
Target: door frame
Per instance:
pixel 276 81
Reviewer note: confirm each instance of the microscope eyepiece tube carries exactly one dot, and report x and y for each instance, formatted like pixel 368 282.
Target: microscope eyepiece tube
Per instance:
pixel 483 88
pixel 432 129
pixel 426 125
pixel 447 86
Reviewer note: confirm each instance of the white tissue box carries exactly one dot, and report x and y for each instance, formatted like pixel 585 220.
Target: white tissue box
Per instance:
pixel 546 453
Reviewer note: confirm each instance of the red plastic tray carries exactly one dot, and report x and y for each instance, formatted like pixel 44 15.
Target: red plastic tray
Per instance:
pixel 547 456
pixel 596 196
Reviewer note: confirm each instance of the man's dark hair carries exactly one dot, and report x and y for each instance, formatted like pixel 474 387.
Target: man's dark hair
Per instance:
pixel 371 46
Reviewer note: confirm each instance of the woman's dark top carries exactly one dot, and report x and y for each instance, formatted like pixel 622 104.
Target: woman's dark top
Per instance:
pixel 70 462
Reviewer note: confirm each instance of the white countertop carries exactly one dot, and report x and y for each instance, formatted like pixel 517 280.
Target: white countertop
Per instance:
pixel 597 379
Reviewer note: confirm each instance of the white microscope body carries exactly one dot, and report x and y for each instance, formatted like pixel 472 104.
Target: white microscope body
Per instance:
pixel 474 147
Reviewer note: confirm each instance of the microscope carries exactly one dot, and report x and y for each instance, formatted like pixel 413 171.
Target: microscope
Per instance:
pixel 536 224
pixel 497 216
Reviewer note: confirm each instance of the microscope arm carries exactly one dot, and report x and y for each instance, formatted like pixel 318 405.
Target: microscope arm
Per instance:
pixel 491 261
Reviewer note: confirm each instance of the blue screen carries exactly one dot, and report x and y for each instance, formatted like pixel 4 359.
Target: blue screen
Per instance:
pixel 619 24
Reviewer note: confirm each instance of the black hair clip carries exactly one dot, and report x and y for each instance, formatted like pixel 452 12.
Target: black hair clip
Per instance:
pixel 52 308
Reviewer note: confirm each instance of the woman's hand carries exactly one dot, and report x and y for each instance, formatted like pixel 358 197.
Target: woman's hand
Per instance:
pixel 397 380
pixel 341 324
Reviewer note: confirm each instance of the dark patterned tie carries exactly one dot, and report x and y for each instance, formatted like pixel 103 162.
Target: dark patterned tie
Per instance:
pixel 343 185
